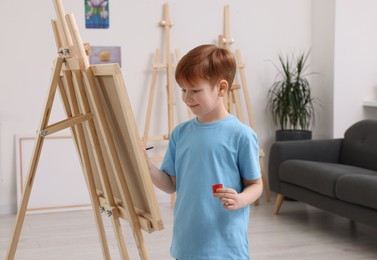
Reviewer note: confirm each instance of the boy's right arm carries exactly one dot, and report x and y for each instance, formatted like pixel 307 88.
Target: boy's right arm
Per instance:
pixel 160 179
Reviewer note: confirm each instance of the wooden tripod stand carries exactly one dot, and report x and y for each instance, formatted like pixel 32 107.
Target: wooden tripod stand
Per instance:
pixel 233 98
pixel 169 67
pixel 106 138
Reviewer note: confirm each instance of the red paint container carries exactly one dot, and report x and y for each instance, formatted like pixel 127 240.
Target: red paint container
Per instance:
pixel 216 186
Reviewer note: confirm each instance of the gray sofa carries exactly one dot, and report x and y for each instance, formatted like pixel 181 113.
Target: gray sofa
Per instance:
pixel 336 175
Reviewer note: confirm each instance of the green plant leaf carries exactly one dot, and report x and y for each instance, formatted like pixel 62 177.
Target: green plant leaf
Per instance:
pixel 289 98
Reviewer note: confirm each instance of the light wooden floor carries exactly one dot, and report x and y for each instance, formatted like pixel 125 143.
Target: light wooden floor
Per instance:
pixel 299 232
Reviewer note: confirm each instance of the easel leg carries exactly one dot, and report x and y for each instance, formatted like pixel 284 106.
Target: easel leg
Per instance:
pixel 173 198
pixel 151 96
pixel 34 162
pixel 78 133
pixel 25 199
pixel 120 238
pixel 266 190
pixel 241 66
pixel 237 102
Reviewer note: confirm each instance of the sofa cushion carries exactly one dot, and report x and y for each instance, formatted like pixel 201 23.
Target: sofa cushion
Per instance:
pixel 359 145
pixel 358 188
pixel 316 176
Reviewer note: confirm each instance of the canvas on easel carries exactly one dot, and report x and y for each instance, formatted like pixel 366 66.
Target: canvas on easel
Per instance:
pixel 106 138
pixel 233 100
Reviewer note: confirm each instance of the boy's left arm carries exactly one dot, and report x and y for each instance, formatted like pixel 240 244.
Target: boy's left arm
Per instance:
pixel 233 200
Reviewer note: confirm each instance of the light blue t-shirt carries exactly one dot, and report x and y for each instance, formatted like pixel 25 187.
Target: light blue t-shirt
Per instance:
pixel 200 155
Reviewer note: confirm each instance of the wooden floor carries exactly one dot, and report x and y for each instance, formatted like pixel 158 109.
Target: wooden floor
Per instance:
pixel 299 232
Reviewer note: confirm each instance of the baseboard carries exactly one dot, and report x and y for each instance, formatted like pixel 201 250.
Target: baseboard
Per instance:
pixel 12 209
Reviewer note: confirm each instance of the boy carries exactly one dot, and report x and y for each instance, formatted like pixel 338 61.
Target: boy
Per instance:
pixel 215 147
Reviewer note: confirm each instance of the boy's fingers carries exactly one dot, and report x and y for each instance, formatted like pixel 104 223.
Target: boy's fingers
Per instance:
pixel 226 190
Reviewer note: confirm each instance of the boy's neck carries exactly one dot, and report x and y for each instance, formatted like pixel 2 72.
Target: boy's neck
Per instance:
pixel 207 119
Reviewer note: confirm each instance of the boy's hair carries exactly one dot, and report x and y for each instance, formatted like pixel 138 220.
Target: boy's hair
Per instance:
pixel 206 62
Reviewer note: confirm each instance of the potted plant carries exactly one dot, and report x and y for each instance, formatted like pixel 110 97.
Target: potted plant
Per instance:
pixel 290 101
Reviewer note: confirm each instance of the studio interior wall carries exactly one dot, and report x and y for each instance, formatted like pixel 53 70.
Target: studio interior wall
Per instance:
pixel 261 31
pixel 323 28
pixel 355 62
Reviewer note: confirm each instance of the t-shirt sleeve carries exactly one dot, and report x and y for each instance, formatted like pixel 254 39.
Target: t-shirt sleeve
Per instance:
pixel 168 164
pixel 249 157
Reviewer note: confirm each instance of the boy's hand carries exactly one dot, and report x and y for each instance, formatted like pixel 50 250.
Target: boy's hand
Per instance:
pixel 252 189
pixel 145 151
pixel 230 198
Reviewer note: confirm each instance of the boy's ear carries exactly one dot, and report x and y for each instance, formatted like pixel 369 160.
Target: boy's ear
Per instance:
pixel 223 87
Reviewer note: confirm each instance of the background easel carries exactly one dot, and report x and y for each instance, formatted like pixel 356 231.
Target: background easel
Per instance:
pixel 233 100
pixel 102 124
pixel 169 66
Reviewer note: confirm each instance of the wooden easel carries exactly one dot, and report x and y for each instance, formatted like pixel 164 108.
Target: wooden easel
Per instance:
pixel 169 67
pixel 86 92
pixel 233 98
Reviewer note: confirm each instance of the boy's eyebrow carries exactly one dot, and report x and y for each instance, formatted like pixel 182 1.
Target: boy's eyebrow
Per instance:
pixel 188 87
pixel 193 88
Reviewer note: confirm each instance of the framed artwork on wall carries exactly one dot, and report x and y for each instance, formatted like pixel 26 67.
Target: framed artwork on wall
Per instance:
pixel 59 184
pixel 105 54
pixel 97 14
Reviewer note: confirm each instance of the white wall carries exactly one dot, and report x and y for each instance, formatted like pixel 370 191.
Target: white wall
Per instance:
pixel 323 27
pixel 261 30
pixel 355 62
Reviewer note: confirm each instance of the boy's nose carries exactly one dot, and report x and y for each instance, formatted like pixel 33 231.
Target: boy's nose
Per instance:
pixel 187 96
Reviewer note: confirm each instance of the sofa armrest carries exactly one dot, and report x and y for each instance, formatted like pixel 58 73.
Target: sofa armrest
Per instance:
pixel 311 150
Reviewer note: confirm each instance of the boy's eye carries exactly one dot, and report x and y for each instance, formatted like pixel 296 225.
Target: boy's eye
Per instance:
pixel 194 91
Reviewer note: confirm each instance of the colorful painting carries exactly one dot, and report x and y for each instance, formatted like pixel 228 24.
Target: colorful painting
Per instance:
pixel 105 54
pixel 97 14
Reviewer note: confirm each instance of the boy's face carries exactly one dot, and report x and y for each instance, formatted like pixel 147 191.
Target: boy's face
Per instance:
pixel 204 100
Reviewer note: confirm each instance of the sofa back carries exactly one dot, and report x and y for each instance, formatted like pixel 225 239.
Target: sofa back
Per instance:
pixel 360 145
